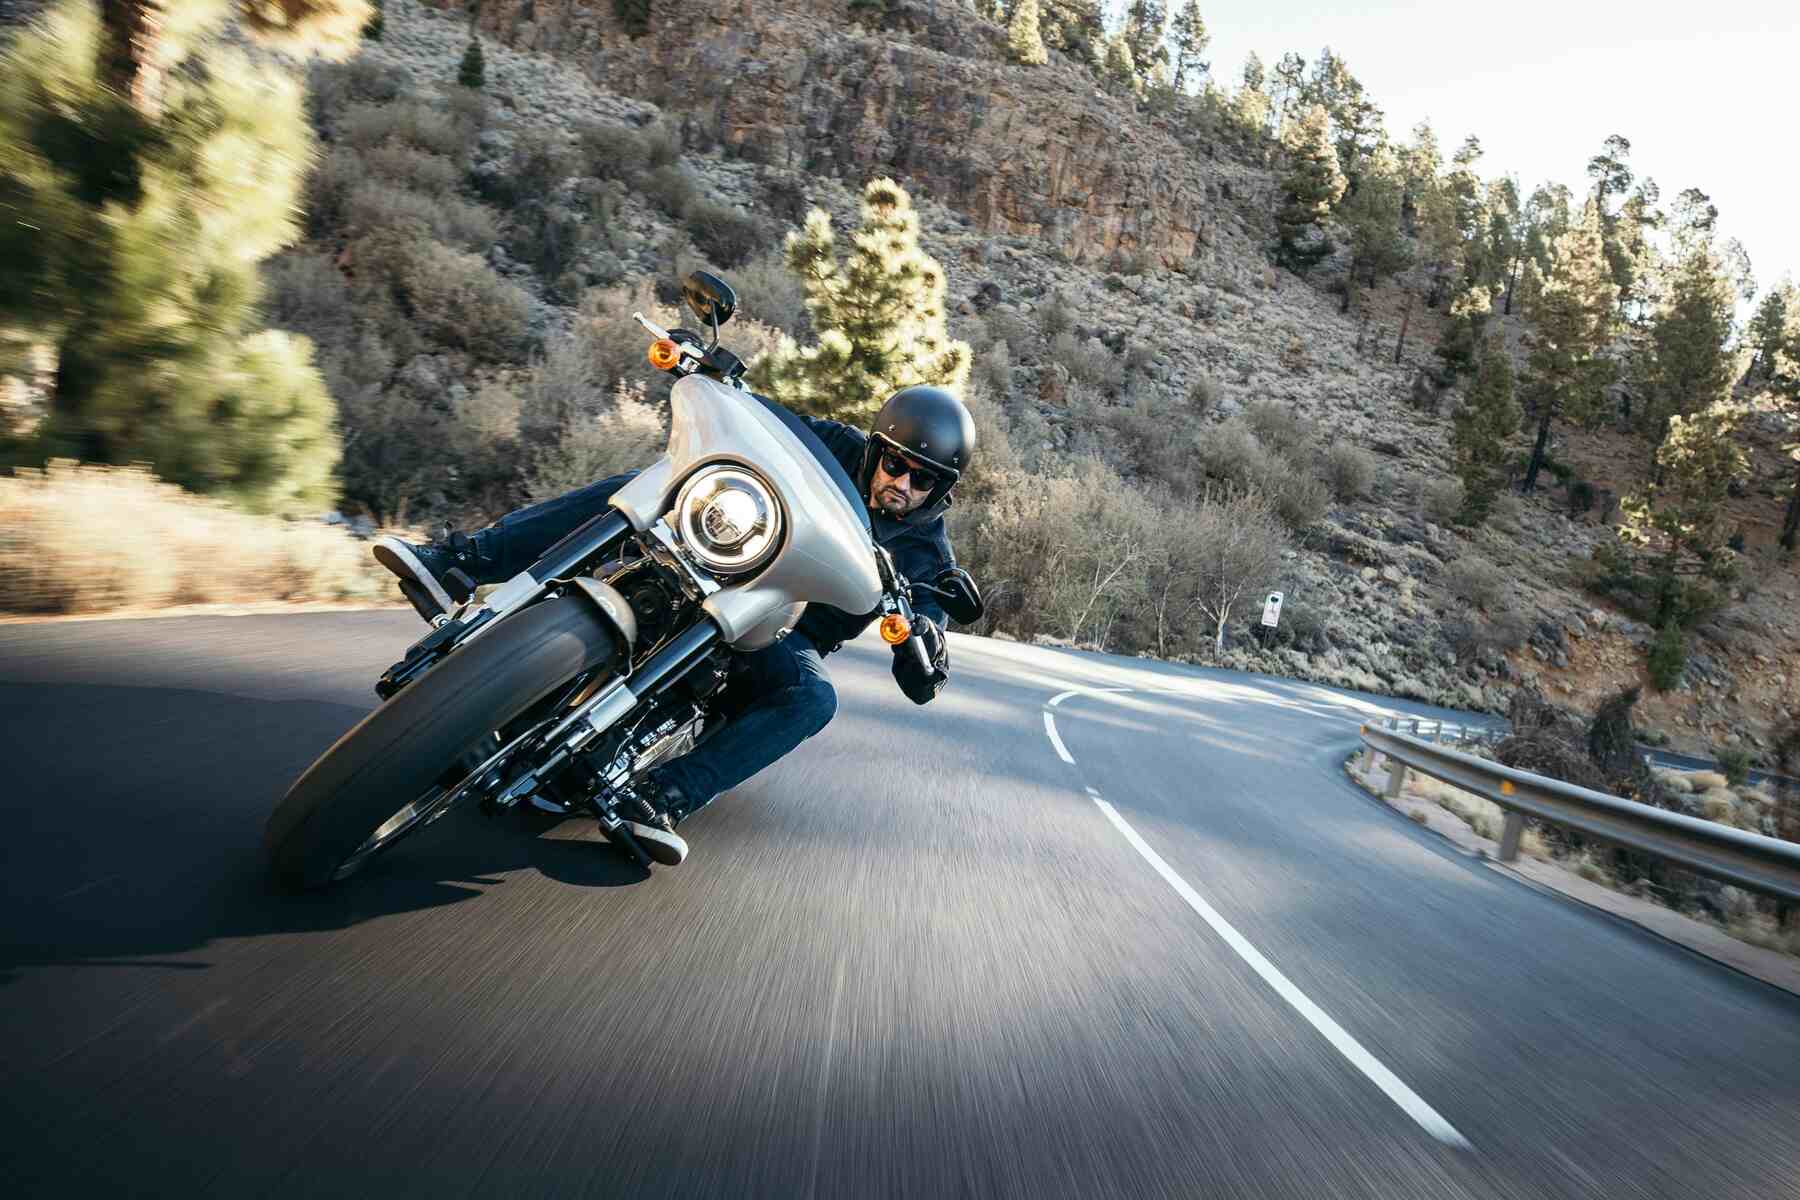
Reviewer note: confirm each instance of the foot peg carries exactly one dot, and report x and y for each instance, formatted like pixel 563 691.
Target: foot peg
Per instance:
pixel 459 585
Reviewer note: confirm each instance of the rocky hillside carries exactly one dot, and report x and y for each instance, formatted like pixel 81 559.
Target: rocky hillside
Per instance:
pixel 1106 262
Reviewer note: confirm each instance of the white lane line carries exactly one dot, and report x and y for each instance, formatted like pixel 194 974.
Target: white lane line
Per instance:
pixel 1084 691
pixel 1050 728
pixel 1348 1046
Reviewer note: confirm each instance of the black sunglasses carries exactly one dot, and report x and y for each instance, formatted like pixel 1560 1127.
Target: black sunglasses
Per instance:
pixel 897 468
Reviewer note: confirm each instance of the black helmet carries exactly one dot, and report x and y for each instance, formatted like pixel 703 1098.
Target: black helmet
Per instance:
pixel 930 425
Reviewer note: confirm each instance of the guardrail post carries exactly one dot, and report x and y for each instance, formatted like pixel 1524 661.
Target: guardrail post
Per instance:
pixel 1510 833
pixel 1396 778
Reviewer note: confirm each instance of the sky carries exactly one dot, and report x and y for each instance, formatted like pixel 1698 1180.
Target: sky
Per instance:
pixel 1708 93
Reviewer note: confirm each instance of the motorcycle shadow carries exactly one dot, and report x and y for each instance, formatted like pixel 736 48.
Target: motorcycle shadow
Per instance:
pixel 138 857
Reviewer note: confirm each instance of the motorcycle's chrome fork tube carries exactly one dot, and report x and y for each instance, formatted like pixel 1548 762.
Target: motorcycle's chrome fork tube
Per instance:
pixel 584 724
pixel 651 677
pixel 579 545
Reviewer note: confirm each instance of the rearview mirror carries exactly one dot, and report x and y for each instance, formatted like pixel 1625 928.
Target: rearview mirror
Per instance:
pixel 711 298
pixel 962 599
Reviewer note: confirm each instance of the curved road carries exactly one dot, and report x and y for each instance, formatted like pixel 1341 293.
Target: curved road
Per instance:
pixel 1153 945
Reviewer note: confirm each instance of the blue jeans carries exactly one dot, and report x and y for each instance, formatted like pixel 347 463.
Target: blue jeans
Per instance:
pixel 518 539
pixel 780 695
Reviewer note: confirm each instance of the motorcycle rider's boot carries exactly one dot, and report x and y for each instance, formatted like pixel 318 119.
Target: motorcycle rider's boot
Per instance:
pixel 653 822
pixel 435 577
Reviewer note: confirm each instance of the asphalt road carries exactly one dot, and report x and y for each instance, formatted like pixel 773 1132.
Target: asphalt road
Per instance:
pixel 917 958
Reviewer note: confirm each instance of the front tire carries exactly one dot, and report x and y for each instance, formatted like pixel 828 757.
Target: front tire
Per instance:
pixel 396 754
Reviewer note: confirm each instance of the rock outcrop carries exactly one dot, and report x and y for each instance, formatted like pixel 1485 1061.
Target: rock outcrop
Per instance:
pixel 1036 152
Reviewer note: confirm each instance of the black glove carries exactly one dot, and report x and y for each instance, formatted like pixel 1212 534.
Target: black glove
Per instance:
pixel 919 685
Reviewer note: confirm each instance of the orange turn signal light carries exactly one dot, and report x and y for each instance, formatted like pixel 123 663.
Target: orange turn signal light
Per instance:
pixel 663 354
pixel 894 629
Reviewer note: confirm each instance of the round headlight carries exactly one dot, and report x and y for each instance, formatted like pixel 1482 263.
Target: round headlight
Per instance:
pixel 729 520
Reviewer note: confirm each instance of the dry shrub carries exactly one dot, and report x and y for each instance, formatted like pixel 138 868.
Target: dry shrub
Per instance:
pixel 610 151
pixel 623 436
pixel 77 539
pixel 409 122
pixel 373 205
pixel 332 87
pixel 1441 500
pixel 1350 470
pixel 1015 331
pixel 1707 781
pixel 725 235
pixel 1088 362
pixel 1202 394
pixel 994 368
pixel 1056 316
pixel 309 295
pixel 670 188
pixel 430 174
pixel 1474 580
pixel 772 294
pixel 1234 454
pixel 1279 427
pixel 455 298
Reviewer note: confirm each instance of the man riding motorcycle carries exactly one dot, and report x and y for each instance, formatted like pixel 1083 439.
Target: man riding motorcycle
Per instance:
pixel 906 465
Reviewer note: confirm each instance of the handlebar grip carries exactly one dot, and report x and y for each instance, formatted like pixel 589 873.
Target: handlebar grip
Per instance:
pixel 918 645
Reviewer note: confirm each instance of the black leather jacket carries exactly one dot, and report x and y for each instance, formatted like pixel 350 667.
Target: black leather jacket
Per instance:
pixel 920 548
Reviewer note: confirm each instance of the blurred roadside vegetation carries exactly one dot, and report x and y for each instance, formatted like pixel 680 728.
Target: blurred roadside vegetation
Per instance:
pixel 147 167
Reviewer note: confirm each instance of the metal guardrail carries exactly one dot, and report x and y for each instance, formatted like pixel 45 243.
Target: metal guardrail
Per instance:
pixel 1444 732
pixel 1748 860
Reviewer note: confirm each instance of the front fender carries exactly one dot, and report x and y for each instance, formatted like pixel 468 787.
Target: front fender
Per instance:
pixel 612 605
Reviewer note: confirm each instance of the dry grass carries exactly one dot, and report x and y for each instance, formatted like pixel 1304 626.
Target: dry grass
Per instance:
pixel 84 539
pixel 1482 816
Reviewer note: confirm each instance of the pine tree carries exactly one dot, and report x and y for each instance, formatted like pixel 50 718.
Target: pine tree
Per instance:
pixel 879 315
pixel 472 71
pixel 1479 433
pixel 1188 32
pixel 1312 185
pixel 1250 106
pixel 1286 82
pixel 1766 329
pixel 1781 344
pixel 376 23
pixel 1023 37
pixel 1119 68
pixel 1420 163
pixel 1689 364
pixel 1073 28
pixel 1462 335
pixel 1371 215
pixel 149 167
pixel 1567 374
pixel 1146 22
pixel 1680 519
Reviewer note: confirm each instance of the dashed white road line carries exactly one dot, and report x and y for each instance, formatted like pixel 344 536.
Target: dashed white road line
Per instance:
pixel 1377 1073
pixel 1050 728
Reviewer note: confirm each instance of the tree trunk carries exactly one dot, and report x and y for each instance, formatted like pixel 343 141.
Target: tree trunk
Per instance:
pixel 1537 451
pixel 1790 526
pixel 1405 318
pixel 130 59
pixel 1511 280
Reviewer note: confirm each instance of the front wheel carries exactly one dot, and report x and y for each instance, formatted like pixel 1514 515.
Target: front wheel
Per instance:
pixel 386 777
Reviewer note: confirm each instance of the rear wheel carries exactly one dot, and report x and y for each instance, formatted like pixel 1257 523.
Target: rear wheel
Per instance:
pixel 391 774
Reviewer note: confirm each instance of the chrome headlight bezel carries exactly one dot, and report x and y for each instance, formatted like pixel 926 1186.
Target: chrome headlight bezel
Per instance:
pixel 726 497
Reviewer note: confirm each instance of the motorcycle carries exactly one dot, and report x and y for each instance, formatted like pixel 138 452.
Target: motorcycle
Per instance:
pixel 610 655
